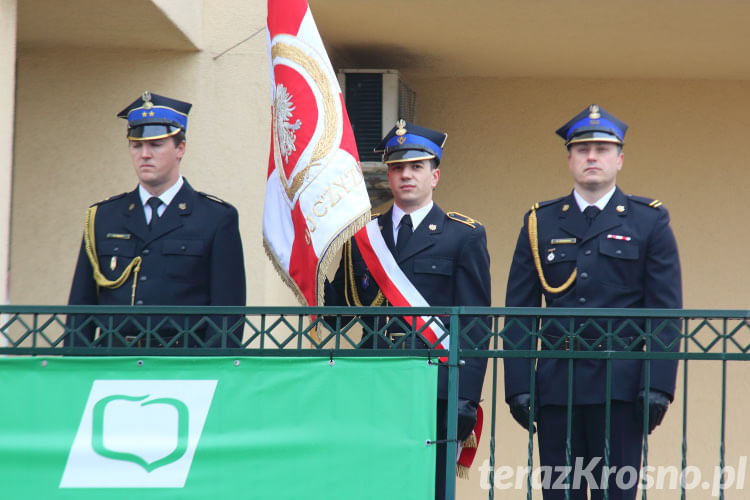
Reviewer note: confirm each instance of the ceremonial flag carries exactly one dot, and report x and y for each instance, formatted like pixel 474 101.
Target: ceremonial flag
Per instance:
pixel 316 197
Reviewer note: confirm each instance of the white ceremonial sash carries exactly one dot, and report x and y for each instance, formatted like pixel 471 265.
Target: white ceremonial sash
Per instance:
pixel 401 292
pixel 396 287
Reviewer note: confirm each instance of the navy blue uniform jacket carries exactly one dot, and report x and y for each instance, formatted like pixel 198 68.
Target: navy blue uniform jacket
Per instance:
pixel 640 270
pixel 192 256
pixel 448 262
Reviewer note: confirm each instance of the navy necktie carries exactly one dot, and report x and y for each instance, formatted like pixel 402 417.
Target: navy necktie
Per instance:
pixel 591 212
pixel 404 233
pixel 154 203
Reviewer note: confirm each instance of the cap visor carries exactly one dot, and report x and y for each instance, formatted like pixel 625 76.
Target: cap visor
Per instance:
pixel 151 132
pixel 594 136
pixel 404 155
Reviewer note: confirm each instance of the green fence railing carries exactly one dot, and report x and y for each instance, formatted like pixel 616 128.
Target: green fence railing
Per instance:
pixel 684 336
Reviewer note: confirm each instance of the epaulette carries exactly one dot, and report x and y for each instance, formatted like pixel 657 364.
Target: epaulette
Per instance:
pixel 463 219
pixel 213 198
pixel 542 204
pixel 374 215
pixel 107 200
pixel 646 201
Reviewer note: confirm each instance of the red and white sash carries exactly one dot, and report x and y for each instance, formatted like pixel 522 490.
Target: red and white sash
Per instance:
pixel 401 292
pixel 396 286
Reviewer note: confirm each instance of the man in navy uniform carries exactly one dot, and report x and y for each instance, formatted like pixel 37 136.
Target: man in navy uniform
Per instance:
pixel 596 247
pixel 162 244
pixel 443 254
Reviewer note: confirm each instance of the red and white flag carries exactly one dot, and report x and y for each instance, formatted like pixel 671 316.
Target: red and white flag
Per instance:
pixel 316 197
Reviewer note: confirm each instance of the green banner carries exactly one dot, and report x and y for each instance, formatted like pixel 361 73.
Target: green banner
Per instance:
pixel 200 427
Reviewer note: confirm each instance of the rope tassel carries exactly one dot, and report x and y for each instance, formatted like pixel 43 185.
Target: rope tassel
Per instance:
pixel 534 242
pixel 89 239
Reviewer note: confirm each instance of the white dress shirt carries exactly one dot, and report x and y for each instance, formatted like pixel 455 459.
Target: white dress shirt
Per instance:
pixel 166 198
pixel 600 203
pixel 417 217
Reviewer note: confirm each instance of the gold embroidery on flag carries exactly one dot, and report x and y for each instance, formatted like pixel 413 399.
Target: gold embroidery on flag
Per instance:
pixel 326 142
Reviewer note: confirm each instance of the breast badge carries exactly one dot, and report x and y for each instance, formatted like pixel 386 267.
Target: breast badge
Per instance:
pixel 618 237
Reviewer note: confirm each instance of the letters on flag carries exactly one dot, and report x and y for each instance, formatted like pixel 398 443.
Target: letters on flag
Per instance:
pixel 316 197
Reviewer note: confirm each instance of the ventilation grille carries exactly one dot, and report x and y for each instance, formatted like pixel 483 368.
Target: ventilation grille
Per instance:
pixel 364 103
pixel 407 102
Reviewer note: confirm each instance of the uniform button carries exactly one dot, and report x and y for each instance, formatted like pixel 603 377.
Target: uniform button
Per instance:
pixel 144 278
pixel 582 300
pixel 146 251
pixel 434 266
pixel 618 252
pixel 117 249
pixel 562 255
pixel 183 248
pixel 584 275
pixel 587 252
pixel 139 302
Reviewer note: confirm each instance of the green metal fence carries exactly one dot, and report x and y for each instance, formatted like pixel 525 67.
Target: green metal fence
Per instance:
pixel 717 336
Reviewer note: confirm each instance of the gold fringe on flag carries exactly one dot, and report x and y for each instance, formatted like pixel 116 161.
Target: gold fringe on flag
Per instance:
pixel 470 442
pixel 337 243
pixel 462 471
pixel 323 264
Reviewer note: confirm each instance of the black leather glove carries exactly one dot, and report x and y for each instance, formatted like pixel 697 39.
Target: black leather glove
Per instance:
pixel 520 409
pixel 658 402
pixel 467 418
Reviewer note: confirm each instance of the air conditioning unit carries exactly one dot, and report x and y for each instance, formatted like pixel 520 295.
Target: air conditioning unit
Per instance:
pixel 375 99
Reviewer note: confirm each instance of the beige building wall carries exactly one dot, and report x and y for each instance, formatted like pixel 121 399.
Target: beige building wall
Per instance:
pixel 71 149
pixel 7 101
pixel 684 147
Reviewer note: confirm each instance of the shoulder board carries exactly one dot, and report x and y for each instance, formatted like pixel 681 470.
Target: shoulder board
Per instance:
pixel 542 204
pixel 374 215
pixel 107 200
pixel 213 198
pixel 464 219
pixel 646 201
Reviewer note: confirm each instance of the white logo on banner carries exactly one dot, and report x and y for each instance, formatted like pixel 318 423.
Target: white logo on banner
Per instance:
pixel 138 434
